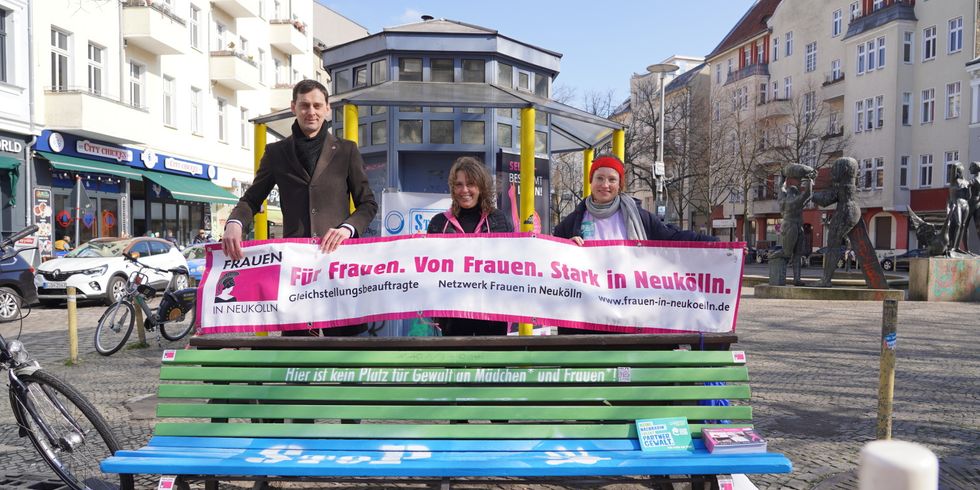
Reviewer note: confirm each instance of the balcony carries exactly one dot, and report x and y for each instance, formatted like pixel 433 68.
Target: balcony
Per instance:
pixel 88 114
pixel 288 36
pixel 154 28
pixel 748 71
pixel 280 96
pixel 234 70
pixel 832 87
pixel 774 108
pixel 899 10
pixel 238 8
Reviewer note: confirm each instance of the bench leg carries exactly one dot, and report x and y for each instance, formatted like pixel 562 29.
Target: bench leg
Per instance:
pixel 445 484
pixel 261 485
pixel 210 484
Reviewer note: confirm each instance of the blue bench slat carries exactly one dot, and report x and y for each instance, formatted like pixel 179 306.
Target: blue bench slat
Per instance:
pixel 507 445
pixel 419 461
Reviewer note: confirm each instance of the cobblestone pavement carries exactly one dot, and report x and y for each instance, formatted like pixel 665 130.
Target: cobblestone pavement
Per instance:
pixel 814 368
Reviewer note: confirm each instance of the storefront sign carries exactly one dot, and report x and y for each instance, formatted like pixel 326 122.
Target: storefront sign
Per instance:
pixel 624 286
pixel 183 166
pixel 11 146
pixel 723 223
pixel 87 147
pixel 408 213
pixel 42 218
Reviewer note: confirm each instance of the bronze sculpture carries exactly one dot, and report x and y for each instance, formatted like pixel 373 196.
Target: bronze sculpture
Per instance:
pixel 974 204
pixel 843 188
pixel 792 200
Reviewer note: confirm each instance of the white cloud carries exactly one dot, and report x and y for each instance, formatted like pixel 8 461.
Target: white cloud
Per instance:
pixel 409 16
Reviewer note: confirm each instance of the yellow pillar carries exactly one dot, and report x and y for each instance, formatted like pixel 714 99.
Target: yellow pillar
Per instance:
pixel 587 157
pixel 619 144
pixel 351 133
pixel 261 218
pixel 527 184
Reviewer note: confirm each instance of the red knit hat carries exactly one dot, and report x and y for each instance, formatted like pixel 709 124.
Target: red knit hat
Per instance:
pixel 609 162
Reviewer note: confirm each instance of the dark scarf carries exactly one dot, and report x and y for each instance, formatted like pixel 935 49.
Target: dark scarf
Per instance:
pixel 308 149
pixel 469 218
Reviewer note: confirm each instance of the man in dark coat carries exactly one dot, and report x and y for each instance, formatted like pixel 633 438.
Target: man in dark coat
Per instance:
pixel 315 172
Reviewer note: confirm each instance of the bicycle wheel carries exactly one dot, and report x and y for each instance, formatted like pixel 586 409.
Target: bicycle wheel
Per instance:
pixel 67 431
pixel 178 329
pixel 114 328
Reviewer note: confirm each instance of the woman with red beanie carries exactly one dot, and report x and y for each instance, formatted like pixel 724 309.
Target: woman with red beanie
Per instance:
pixel 607 215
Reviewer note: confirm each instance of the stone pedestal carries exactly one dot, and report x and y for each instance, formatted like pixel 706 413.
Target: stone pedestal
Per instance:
pixel 944 279
pixel 777 271
pixel 764 291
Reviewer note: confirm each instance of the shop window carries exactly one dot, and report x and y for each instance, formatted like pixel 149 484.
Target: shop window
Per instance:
pixel 441 70
pixel 474 71
pixel 441 132
pixel 505 75
pixel 410 69
pixel 410 131
pixel 473 133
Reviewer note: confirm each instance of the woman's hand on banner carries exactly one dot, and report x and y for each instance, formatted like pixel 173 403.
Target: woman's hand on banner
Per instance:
pixel 578 240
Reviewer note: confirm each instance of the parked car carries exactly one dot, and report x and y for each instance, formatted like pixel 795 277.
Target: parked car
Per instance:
pixel 762 255
pixel 195 255
pixel 902 260
pixel 16 286
pixel 816 258
pixel 98 270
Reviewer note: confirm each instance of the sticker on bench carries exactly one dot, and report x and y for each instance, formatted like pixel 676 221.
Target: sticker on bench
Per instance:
pixel 443 375
pixel 624 374
pixel 166 482
pixel 169 355
pixel 392 454
pixel 738 356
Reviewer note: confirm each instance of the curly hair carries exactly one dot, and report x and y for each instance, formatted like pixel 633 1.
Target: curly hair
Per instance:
pixel 476 173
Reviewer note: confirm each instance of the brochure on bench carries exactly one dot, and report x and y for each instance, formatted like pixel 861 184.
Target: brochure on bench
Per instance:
pixel 666 434
pixel 733 440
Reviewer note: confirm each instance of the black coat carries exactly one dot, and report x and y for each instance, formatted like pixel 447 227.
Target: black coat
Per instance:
pixel 497 222
pixel 655 229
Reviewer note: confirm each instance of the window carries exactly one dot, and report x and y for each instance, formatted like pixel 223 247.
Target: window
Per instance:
pixel 195 110
pixel 747 55
pixel 907 108
pixel 523 81
pixel 864 177
pixel 222 116
pixel 193 27
pixel 474 71
pixel 379 71
pixel 871 64
pixel 928 43
pixel 729 66
pixel 136 90
pixel 859 116
pixel 410 70
pixel 96 63
pixel 955 35
pixel 760 52
pixel 877 5
pixel 3 45
pixel 860 59
pixel 879 182
pixel 775 89
pixel 789 43
pixel 810 62
pixel 410 131
pixel 788 88
pixel 441 132
pixel 169 100
pixel 925 171
pixel 880 111
pixel 775 48
pixel 833 126
pixel 908 40
pixel 717 75
pixel 261 62
pixel 835 73
pixel 505 135
pixel 869 114
pixel 855 10
pixel 360 76
pixel 952 100
pixel 541 85
pixel 441 70
pixel 244 126
pixel 472 133
pixel 763 89
pixel 975 101
pixel 837 23
pixel 379 133
pixel 881 52
pixel 809 107
pixel 951 158
pixel 341 82
pixel 903 172
pixel 928 105
pixel 219 36
pixel 505 74
pixel 59 60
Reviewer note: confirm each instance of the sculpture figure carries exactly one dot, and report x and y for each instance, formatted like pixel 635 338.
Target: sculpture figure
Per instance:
pixel 843 187
pixel 934 238
pixel 957 208
pixel 974 204
pixel 792 200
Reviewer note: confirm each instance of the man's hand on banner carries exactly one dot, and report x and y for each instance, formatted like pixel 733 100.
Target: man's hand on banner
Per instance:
pixel 578 240
pixel 231 242
pixel 333 239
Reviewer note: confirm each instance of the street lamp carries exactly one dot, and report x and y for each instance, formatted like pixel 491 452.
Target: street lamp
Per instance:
pixel 658 166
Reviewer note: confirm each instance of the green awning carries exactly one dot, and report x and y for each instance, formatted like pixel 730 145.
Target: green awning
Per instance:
pixel 7 163
pixel 191 189
pixel 73 164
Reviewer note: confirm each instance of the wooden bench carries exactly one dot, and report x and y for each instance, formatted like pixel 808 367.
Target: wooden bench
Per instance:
pixel 440 408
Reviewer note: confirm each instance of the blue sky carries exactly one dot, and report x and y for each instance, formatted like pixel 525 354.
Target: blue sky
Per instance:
pixel 603 42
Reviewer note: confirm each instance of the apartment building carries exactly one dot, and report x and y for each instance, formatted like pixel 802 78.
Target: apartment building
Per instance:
pixel 17 128
pixel 149 101
pixel 883 81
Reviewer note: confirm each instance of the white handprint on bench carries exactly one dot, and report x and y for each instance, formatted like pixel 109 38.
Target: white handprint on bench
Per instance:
pixel 563 456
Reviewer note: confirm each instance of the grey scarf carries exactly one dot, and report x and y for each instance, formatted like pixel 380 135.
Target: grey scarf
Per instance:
pixel 631 215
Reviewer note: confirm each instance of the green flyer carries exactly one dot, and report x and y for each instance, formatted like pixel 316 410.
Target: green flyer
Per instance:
pixel 667 434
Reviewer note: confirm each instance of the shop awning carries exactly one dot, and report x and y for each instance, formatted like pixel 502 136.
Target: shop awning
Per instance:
pixel 73 164
pixel 7 163
pixel 191 189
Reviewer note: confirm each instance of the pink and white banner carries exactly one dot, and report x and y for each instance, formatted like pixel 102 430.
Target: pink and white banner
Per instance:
pixel 622 286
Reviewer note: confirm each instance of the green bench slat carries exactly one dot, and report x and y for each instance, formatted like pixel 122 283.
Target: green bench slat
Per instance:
pixel 411 431
pixel 444 394
pixel 610 358
pixel 428 412
pixel 438 375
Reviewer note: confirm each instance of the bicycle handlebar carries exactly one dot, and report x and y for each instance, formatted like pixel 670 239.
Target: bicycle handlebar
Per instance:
pixel 176 270
pixel 30 230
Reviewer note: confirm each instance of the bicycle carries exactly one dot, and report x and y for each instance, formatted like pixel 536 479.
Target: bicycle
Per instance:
pixel 175 316
pixel 65 428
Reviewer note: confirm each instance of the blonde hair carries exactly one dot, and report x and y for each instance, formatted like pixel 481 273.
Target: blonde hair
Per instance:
pixel 476 173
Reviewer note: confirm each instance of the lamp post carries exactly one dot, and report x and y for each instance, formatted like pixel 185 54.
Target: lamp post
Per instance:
pixel 661 69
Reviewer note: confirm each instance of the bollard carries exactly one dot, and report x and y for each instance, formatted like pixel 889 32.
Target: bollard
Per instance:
pixel 886 380
pixel 897 465
pixel 72 326
pixel 140 331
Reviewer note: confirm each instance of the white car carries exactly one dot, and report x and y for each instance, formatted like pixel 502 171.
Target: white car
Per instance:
pixel 98 270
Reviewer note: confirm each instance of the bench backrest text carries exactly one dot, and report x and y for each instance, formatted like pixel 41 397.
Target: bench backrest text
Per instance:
pixel 553 394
